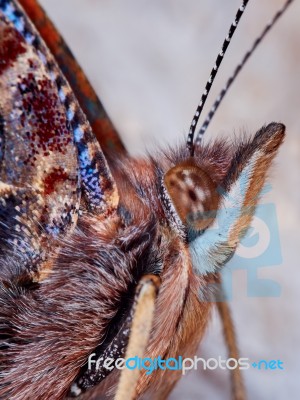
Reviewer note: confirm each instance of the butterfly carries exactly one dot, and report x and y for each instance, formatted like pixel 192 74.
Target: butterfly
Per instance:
pixel 100 252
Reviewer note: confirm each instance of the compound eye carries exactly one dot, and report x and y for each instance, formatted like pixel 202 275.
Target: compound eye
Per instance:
pixel 193 194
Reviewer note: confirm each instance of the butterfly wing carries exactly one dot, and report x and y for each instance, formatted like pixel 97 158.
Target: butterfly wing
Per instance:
pixel 50 162
pixel 102 127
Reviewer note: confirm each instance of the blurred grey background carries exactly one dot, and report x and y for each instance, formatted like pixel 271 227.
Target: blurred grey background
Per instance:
pixel 149 60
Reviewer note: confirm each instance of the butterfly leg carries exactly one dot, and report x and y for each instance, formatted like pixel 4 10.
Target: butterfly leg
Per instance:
pixel 144 307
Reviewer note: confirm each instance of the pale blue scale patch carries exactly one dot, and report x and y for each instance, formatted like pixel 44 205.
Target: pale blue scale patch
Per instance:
pixel 9 10
pixel 78 134
pixel 29 38
pixel 10 13
pixel 211 250
pixel 70 114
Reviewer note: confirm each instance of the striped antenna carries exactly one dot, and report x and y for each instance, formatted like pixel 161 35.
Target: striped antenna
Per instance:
pixel 236 72
pixel 190 139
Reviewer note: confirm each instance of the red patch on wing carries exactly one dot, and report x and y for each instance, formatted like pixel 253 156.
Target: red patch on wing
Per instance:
pixel 11 46
pixel 52 179
pixel 42 118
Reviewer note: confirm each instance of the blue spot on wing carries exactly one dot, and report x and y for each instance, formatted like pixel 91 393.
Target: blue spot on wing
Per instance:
pixel 90 175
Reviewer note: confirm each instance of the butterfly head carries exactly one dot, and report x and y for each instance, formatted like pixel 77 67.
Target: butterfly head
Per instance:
pixel 211 197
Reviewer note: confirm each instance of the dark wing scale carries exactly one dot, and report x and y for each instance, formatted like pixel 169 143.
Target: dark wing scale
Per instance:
pixel 51 164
